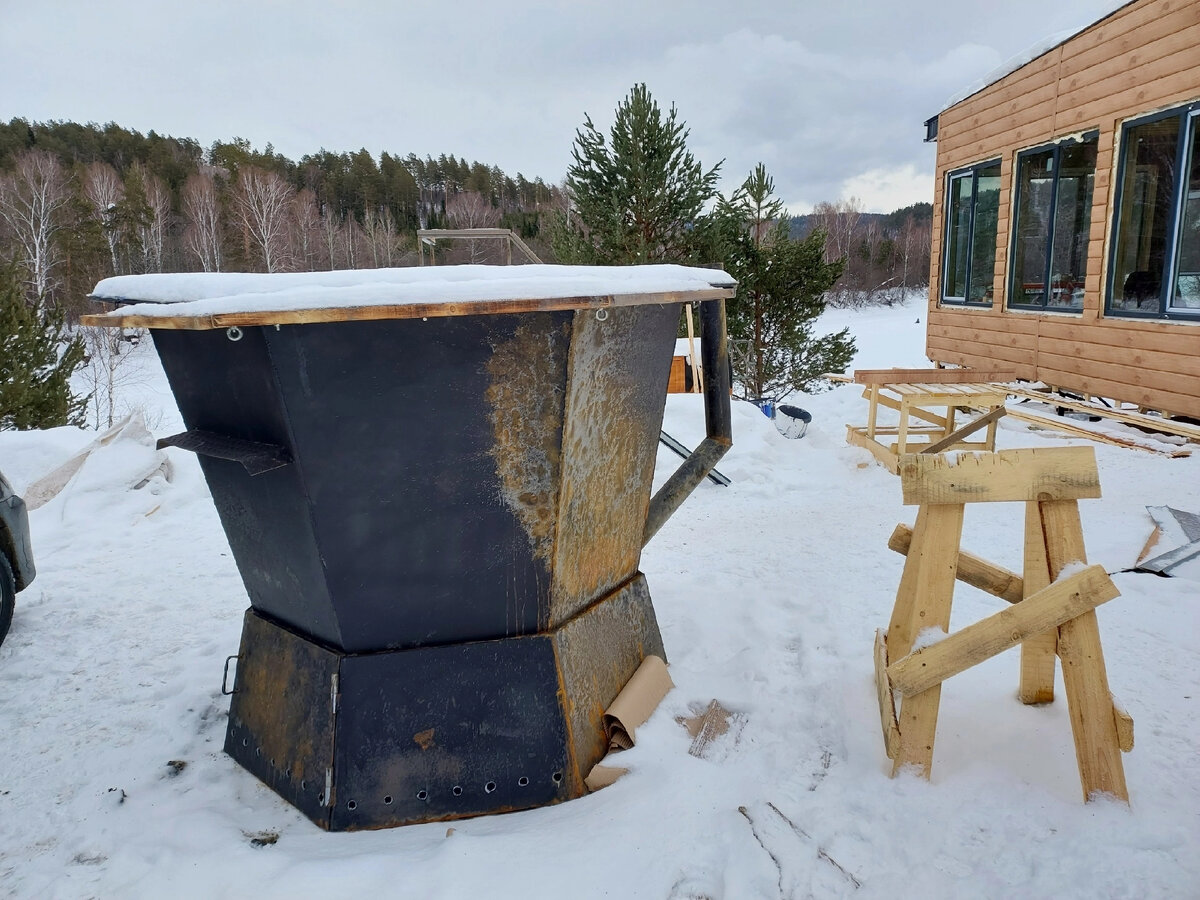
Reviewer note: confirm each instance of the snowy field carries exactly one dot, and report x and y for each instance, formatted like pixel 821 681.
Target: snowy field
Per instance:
pixel 768 593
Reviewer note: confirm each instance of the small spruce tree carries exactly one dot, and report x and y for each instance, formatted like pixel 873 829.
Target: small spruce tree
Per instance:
pixel 637 196
pixel 779 297
pixel 36 362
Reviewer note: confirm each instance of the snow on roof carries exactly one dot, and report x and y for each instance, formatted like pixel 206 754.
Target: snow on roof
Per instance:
pixel 1027 56
pixel 213 293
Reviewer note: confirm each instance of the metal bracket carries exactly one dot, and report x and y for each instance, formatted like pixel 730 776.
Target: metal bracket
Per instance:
pixel 225 677
pixel 714 360
pixel 255 456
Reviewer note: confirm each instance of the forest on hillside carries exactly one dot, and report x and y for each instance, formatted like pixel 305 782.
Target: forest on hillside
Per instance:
pixel 80 202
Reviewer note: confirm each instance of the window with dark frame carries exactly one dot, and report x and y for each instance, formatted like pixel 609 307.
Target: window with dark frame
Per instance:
pixel 1154 269
pixel 1053 213
pixel 969 245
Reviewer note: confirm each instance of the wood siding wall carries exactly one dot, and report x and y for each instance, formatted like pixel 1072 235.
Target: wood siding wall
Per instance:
pixel 1143 57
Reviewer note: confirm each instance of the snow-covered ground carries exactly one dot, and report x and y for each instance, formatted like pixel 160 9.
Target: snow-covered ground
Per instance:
pixel 768 593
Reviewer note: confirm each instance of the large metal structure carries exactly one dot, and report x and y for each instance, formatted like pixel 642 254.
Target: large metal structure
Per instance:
pixel 438 514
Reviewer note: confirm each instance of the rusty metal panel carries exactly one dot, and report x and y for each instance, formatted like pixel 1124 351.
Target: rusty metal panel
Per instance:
pixel 525 400
pixel 597 652
pixel 616 385
pixel 281 717
pixel 448 732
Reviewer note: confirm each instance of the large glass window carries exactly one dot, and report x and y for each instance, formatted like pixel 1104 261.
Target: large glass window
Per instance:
pixel 1053 216
pixel 1155 269
pixel 969 247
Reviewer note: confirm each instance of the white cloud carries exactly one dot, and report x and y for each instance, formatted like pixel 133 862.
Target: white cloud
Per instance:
pixel 886 189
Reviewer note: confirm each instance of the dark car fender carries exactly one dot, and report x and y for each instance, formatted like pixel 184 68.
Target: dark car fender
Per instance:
pixel 14 540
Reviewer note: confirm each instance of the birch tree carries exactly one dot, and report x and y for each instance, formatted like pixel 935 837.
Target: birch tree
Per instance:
pixel 201 208
pixel 471 209
pixel 154 229
pixel 104 191
pixel 262 201
pixel 32 203
pixel 306 230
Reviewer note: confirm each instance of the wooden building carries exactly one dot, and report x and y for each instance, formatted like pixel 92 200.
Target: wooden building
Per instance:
pixel 1066 231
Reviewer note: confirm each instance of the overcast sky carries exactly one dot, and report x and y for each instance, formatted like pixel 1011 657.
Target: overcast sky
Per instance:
pixel 829 94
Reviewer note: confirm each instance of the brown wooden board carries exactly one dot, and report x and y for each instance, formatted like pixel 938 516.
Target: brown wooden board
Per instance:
pixel 118 319
pixel 929 376
pixel 1048 473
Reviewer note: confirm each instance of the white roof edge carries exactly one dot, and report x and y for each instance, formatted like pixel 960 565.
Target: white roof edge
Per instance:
pixel 1031 53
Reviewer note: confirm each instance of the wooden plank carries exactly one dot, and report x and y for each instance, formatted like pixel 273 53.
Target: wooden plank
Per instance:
pixel 1146 51
pixel 1148 398
pixel 1008 329
pixel 973 110
pixel 1034 117
pixel 922 414
pixel 929 376
pixel 928 566
pixel 1085 681
pixel 1124 723
pixel 1173 364
pixel 1133 99
pixel 1061 601
pixel 966 356
pixel 1125 373
pixel 883 690
pixel 1129 417
pixel 1022 361
pixel 1045 473
pixel 970 428
pixel 1138 335
pixel 927 596
pixel 1174 62
pixel 118 319
pixel 970 569
pixel 1039 652
pixel 1108 30
pixel 858 438
pixel 992 319
pixel 1078 429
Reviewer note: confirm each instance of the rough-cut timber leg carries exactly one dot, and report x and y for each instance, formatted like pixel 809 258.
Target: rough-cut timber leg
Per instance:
pixel 1093 724
pixel 927 594
pixel 872 410
pixel 1037 653
pixel 902 433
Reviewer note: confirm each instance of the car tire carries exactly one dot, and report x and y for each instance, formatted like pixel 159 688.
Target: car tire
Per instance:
pixel 8 596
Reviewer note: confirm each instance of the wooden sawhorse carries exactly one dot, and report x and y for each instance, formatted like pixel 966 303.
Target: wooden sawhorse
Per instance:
pixel 1053 611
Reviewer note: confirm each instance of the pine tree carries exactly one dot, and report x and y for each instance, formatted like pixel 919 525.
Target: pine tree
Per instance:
pixel 36 362
pixel 780 286
pixel 638 197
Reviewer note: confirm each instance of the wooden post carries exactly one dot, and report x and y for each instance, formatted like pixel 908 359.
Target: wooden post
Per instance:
pixel 1037 653
pixel 1085 680
pixel 902 434
pixel 697 387
pixel 926 595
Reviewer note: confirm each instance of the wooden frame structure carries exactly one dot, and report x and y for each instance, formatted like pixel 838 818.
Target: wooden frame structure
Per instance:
pixel 430 236
pixel 1139 60
pixel 927 401
pixel 1052 612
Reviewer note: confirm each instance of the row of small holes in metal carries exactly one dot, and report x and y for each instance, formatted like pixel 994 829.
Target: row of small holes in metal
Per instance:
pixel 457 791
pixel 422 795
